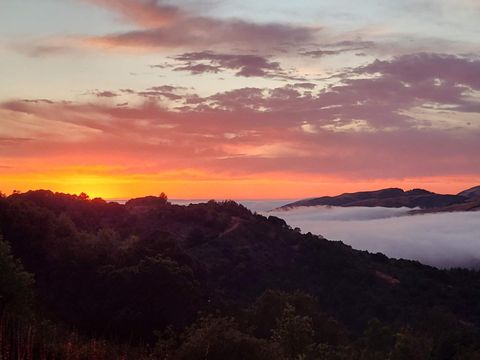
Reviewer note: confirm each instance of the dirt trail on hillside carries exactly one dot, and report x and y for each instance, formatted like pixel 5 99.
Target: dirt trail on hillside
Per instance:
pixel 236 222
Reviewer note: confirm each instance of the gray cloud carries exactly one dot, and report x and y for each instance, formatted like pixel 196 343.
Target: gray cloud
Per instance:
pixel 166 26
pixel 246 65
pixel 338 48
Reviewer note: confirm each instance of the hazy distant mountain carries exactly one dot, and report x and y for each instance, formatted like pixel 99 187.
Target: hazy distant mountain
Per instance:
pixel 391 197
pixel 471 193
pixel 472 203
pixel 395 197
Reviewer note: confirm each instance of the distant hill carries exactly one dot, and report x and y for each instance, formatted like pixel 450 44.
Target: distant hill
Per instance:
pixel 471 203
pixel 391 197
pixel 471 193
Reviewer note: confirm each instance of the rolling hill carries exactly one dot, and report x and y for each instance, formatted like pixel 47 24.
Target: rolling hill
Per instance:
pixel 216 277
pixel 426 201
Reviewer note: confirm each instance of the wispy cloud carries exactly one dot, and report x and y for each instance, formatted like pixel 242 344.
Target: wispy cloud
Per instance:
pixel 337 48
pixel 373 123
pixel 244 65
pixel 166 26
pixel 145 13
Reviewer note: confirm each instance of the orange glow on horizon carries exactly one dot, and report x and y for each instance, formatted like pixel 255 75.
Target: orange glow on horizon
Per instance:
pixel 109 184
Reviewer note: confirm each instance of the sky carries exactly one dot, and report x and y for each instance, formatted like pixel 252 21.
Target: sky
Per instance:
pixel 239 99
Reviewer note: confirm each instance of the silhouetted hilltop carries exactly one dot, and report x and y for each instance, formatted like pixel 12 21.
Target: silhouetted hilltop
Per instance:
pixel 394 197
pixel 472 193
pixel 125 274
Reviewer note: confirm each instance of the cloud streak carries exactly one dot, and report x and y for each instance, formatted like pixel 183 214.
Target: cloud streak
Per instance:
pixel 338 48
pixel 381 120
pixel 166 26
pixel 145 13
pixel 245 65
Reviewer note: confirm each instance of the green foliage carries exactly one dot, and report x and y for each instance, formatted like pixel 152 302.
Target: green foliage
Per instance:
pixel 294 333
pixel 152 294
pixel 267 310
pixel 411 347
pixel 378 340
pixel 144 271
pixel 33 340
pixel 16 294
pixel 216 338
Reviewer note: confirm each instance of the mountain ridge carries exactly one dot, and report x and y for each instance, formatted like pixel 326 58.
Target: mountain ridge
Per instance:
pixel 129 272
pixel 425 200
pixel 473 192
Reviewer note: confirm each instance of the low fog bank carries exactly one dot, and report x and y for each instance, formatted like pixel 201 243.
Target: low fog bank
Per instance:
pixel 260 206
pixel 442 240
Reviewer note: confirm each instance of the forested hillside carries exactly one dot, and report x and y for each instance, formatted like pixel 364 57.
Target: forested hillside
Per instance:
pixel 153 280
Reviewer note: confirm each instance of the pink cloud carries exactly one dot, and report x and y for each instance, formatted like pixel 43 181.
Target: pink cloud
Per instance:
pixel 338 47
pixel 165 26
pixel 206 32
pixel 364 126
pixel 105 94
pixel 415 68
pixel 146 13
pixel 246 65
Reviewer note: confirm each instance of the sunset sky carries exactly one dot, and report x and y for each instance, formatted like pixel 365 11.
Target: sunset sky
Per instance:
pixel 239 98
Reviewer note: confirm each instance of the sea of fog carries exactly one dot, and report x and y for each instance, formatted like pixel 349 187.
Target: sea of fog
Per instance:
pixel 443 239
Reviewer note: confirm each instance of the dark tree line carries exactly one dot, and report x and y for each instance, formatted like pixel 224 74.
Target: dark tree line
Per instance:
pixel 150 279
